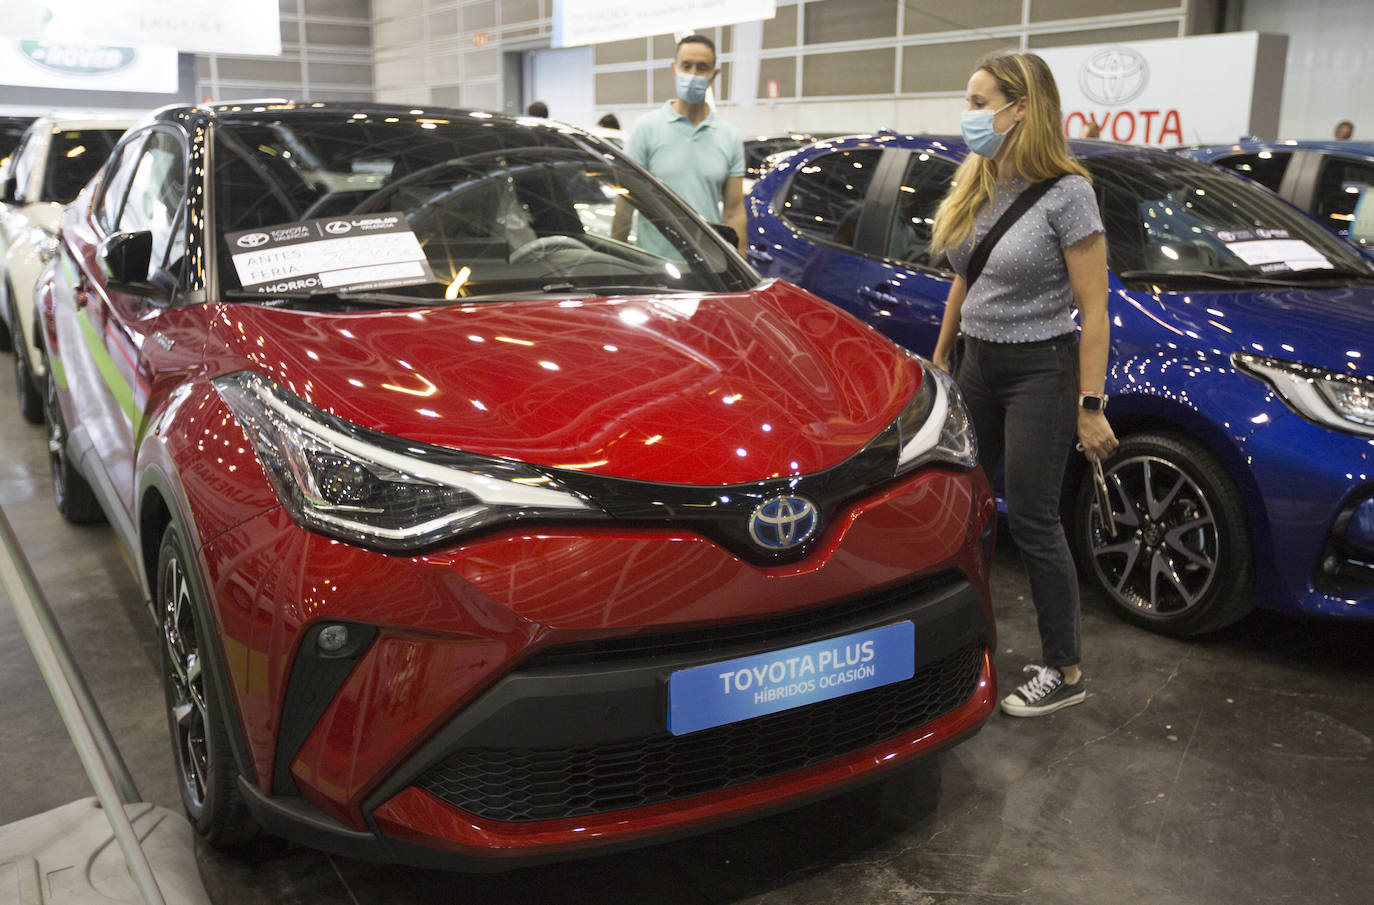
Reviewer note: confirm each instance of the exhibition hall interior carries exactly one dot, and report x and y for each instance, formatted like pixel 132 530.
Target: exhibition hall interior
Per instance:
pixel 699 453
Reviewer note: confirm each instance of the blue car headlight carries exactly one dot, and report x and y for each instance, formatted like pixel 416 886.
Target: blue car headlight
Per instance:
pixel 935 427
pixel 378 491
pixel 1329 398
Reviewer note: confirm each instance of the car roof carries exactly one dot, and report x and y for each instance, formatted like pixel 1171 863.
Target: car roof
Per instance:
pixel 62 123
pixel 1364 149
pixel 954 144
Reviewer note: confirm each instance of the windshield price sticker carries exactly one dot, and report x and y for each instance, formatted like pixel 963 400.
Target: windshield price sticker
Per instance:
pixel 733 690
pixel 1271 255
pixel 350 253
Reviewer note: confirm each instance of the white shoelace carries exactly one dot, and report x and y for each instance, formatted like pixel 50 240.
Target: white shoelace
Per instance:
pixel 1046 680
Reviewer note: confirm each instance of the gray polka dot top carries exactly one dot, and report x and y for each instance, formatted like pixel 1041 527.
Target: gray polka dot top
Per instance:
pixel 1023 294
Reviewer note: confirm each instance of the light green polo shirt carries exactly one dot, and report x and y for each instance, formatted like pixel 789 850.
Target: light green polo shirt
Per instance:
pixel 693 161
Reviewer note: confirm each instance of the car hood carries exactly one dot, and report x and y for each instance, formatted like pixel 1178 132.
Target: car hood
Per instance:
pixel 688 389
pixel 1321 327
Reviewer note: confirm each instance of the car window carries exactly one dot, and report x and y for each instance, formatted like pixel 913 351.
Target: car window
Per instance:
pixel 1342 186
pixel 155 194
pixel 1170 215
pixel 826 195
pixel 74 156
pixel 117 176
pixel 10 134
pixel 923 186
pixel 1266 167
pixel 26 158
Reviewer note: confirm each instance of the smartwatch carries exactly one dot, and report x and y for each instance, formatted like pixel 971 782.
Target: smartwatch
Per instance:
pixel 1092 402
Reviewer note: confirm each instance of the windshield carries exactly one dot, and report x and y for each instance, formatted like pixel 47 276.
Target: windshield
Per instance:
pixel 434 209
pixel 1170 218
pixel 74 156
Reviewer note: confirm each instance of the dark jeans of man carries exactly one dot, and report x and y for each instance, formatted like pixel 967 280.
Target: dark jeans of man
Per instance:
pixel 1023 400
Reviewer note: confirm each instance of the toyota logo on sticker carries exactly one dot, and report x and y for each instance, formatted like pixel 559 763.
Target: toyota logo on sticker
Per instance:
pixel 1114 75
pixel 783 522
pixel 252 240
pixel 338 227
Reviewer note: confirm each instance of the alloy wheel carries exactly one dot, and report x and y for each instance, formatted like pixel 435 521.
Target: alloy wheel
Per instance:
pixel 185 683
pixel 1163 559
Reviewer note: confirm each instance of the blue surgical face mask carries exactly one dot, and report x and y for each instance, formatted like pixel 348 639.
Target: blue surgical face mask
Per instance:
pixel 692 88
pixel 979 133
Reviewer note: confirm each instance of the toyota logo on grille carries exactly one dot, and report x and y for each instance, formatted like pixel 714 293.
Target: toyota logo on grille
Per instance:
pixel 782 522
pixel 1114 75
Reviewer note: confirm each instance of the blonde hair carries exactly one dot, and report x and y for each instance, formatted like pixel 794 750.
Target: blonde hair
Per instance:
pixel 1036 147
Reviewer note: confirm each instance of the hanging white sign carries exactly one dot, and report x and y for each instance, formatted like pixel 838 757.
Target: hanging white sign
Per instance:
pixel 577 22
pixel 88 67
pixel 192 26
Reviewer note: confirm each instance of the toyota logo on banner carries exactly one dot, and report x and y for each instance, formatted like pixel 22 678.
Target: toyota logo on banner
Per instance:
pixel 1114 76
pixel 253 240
pixel 783 522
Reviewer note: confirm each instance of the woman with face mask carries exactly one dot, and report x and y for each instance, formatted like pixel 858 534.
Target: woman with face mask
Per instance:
pixel 1021 228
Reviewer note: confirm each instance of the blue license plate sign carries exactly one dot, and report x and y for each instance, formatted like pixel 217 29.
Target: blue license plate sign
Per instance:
pixel 734 690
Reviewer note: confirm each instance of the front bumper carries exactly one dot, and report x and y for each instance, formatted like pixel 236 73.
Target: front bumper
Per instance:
pixel 511 705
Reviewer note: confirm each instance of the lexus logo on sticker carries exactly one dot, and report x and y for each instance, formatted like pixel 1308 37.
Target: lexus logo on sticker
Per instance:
pixel 252 240
pixel 338 227
pixel 1114 75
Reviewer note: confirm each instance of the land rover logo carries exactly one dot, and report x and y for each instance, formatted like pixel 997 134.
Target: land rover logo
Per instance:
pixel 77 59
pixel 252 240
pixel 1114 75
pixel 782 522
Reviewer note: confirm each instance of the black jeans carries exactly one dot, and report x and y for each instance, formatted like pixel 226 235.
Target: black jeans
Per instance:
pixel 1023 399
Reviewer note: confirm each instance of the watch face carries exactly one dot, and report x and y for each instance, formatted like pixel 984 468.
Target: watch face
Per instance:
pixel 1091 403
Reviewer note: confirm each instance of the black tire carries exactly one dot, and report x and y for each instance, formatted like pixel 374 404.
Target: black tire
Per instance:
pixel 206 775
pixel 75 500
pixel 25 383
pixel 1181 563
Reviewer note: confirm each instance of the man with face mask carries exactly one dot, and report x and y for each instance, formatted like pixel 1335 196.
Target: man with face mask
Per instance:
pixel 686 145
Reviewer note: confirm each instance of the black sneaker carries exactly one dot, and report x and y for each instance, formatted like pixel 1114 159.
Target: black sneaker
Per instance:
pixel 1045 693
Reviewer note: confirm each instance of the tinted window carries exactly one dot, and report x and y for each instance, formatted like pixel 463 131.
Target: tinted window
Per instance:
pixel 73 158
pixel 117 176
pixel 497 207
pixel 924 185
pixel 26 159
pixel 1342 185
pixel 11 130
pixel 1169 215
pixel 1266 167
pixel 826 196
pixel 155 193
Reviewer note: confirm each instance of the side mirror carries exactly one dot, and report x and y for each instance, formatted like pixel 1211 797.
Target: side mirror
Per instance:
pixel 124 258
pixel 727 233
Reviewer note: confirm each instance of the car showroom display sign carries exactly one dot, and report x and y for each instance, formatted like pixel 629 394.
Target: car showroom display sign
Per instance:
pixel 191 26
pixel 1206 89
pixel 578 22
pixel 87 67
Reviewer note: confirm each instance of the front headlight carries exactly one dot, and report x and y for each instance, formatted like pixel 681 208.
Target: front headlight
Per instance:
pixel 1331 399
pixel 380 491
pixel 935 427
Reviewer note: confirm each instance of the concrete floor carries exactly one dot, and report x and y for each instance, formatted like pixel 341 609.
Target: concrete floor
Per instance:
pixel 1231 769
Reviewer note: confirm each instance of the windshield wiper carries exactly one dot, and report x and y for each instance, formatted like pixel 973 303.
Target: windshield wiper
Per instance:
pixel 610 288
pixel 1165 276
pixel 322 297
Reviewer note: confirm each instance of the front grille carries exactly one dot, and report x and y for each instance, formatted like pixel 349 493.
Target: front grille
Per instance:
pixel 773 631
pixel 524 784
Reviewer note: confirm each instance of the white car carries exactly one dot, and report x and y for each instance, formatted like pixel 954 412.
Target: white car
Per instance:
pixel 54 160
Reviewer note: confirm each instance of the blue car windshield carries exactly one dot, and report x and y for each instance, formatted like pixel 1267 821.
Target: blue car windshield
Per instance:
pixel 1173 216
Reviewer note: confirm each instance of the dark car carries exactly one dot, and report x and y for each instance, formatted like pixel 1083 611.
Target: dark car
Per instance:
pixel 476 534
pixel 757 150
pixel 1328 179
pixel 1241 374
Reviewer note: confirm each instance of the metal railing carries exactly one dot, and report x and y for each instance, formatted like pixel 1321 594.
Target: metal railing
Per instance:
pixel 114 786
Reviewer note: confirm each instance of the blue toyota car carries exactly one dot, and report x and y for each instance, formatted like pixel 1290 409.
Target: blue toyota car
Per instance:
pixel 1328 179
pixel 1241 379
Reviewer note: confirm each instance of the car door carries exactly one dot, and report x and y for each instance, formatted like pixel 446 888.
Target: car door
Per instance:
pixel 826 207
pixel 1340 192
pixel 120 323
pixel 906 283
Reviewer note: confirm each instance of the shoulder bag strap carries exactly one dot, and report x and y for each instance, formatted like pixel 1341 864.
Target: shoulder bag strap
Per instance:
pixel 983 250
